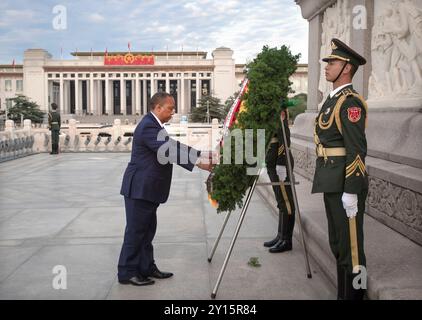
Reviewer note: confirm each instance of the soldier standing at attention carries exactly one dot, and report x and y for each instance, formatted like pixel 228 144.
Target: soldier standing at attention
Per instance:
pixel 276 159
pixel 340 171
pixel 54 126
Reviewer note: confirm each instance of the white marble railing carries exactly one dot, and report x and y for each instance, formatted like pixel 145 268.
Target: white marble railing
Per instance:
pixel 15 143
pixel 76 137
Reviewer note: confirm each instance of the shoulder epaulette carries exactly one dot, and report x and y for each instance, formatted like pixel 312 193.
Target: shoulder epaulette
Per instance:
pixel 345 94
pixel 335 116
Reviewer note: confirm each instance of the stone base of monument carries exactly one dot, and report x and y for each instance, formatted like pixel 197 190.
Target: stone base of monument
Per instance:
pixel 393 225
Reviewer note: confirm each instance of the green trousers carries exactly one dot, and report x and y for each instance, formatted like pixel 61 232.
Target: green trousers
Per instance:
pixel 283 195
pixel 346 242
pixel 55 140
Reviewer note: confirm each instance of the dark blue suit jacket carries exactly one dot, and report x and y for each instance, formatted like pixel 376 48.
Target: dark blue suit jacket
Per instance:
pixel 148 174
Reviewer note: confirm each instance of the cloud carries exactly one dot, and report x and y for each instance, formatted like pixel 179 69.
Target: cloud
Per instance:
pixel 195 9
pixel 96 17
pixel 10 17
pixel 18 14
pixel 244 26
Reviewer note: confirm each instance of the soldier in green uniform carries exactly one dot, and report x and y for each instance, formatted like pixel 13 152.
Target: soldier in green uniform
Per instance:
pixel 276 156
pixel 54 123
pixel 340 171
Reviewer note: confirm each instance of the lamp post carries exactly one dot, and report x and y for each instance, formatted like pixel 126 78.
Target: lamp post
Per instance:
pixel 6 109
pixel 208 111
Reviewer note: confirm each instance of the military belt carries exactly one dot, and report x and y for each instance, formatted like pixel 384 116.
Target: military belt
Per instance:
pixel 54 123
pixel 330 152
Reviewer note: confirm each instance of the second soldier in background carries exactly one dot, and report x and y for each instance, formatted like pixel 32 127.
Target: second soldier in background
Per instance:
pixel 276 162
pixel 54 123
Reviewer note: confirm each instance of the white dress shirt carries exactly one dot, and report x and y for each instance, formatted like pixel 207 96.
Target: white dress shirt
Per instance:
pixel 162 126
pixel 334 92
pixel 159 122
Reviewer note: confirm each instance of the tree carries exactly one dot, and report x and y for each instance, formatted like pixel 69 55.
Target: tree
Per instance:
pixel 268 76
pixel 23 106
pixel 213 104
pixel 300 107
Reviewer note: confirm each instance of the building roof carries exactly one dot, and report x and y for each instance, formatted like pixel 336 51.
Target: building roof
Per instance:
pixel 11 66
pixel 202 54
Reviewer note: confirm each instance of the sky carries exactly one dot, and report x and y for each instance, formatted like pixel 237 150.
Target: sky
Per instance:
pixel 61 27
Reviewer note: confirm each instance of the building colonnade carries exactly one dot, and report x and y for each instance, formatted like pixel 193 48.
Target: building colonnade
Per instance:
pixel 126 93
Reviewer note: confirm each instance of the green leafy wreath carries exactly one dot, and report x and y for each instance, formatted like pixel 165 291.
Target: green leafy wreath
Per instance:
pixel 268 76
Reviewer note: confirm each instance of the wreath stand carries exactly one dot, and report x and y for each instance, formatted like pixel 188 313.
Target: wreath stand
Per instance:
pixel 243 213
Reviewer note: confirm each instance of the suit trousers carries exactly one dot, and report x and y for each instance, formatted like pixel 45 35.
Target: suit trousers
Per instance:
pixel 137 254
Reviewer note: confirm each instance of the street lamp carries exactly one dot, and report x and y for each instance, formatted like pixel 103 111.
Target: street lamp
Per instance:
pixel 208 111
pixel 6 108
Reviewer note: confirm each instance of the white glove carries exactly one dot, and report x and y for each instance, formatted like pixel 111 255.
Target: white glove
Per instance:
pixel 350 204
pixel 281 172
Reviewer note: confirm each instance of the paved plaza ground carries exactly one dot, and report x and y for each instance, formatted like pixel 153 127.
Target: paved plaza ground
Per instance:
pixel 67 210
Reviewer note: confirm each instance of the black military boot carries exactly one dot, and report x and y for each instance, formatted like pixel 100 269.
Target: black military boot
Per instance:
pixel 271 243
pixel 350 293
pixel 281 246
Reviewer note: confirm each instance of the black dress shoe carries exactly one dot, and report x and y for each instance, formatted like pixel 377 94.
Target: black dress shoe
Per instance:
pixel 138 281
pixel 281 246
pixel 160 274
pixel 271 243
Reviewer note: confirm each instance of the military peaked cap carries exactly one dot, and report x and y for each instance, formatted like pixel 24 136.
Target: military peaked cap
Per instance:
pixel 342 51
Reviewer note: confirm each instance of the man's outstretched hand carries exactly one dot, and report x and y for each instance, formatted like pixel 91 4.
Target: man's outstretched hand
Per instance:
pixel 206 165
pixel 207 160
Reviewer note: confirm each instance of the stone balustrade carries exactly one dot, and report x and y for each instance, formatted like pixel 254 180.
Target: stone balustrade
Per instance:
pixel 76 137
pixel 16 143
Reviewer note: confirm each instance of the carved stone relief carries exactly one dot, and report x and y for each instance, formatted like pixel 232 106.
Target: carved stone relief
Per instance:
pixel 396 49
pixel 398 203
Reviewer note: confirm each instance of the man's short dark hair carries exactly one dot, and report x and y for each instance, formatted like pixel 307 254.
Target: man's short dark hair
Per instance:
pixel 54 106
pixel 158 98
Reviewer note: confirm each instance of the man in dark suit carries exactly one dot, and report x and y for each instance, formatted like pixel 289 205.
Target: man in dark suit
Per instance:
pixel 146 184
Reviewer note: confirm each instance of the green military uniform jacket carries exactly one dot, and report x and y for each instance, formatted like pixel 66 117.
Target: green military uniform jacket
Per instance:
pixel 54 120
pixel 282 159
pixel 341 124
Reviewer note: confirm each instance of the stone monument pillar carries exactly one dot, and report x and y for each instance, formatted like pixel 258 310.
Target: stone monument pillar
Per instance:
pixel 388 33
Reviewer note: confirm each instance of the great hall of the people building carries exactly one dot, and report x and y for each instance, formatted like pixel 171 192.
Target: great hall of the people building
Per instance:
pixel 121 83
